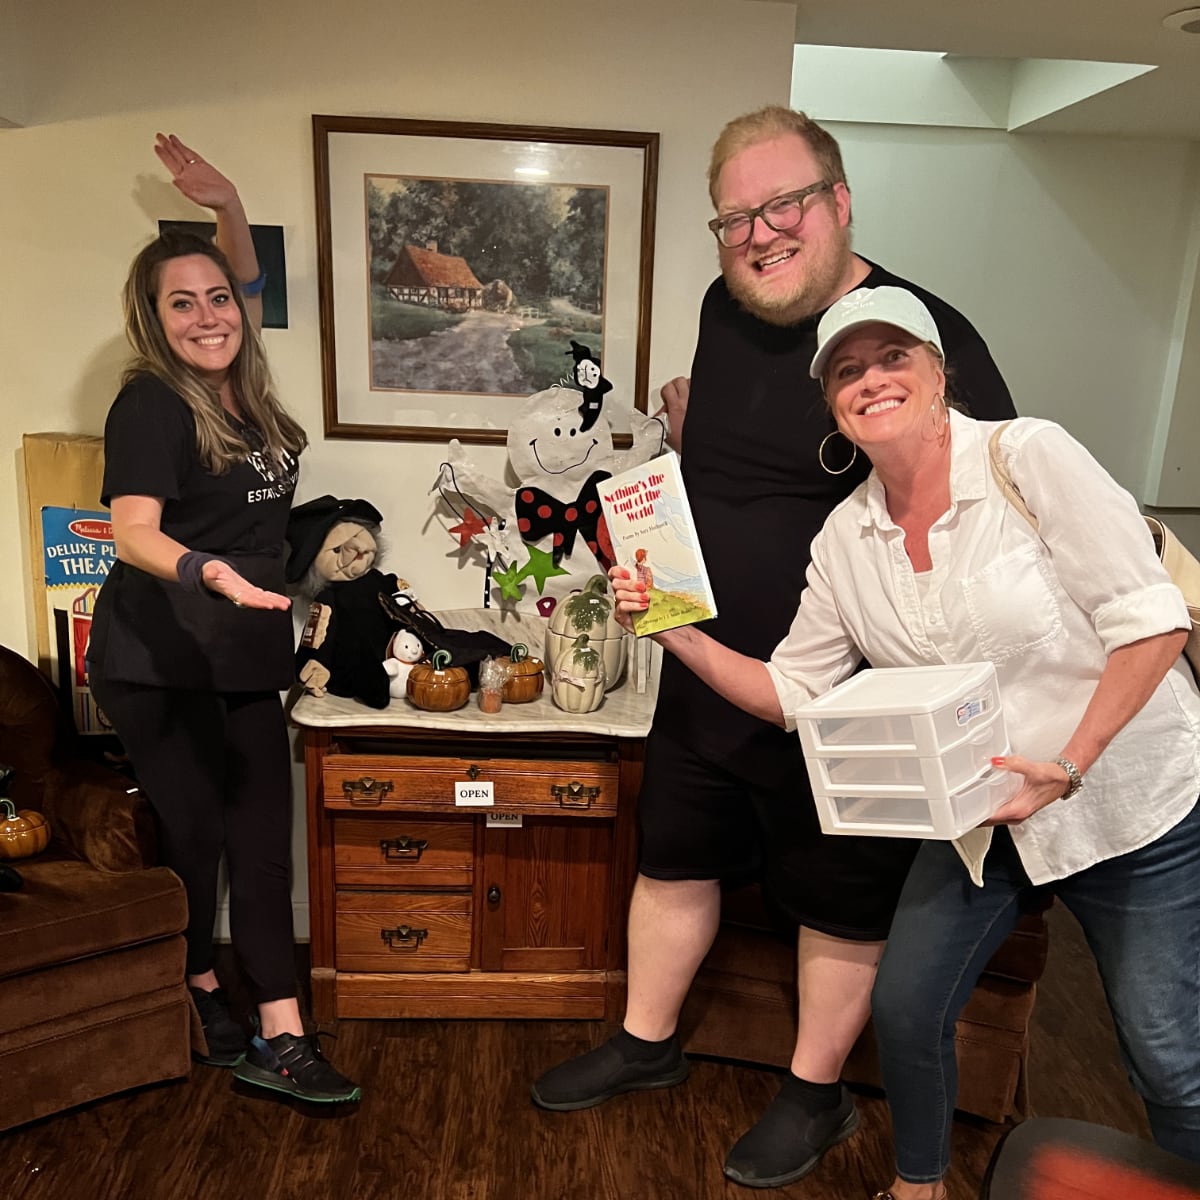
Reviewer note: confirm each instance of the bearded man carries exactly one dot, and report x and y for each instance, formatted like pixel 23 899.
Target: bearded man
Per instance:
pixel 725 797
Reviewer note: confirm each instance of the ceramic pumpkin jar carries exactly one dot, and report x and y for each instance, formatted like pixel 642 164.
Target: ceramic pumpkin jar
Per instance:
pixel 526 676
pixel 577 685
pixel 437 686
pixel 590 611
pixel 22 833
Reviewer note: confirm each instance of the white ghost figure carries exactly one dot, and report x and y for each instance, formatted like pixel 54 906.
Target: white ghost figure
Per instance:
pixel 556 467
pixel 405 650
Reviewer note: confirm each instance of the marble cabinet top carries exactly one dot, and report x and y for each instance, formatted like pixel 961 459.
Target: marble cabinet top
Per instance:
pixel 626 711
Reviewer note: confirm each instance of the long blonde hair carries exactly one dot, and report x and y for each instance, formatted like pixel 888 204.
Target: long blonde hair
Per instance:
pixel 218 444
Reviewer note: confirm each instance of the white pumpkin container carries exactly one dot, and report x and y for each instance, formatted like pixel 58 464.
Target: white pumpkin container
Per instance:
pixel 577 684
pixel 589 611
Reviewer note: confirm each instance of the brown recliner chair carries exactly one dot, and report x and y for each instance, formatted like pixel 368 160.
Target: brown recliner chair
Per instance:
pixel 92 993
pixel 743 1006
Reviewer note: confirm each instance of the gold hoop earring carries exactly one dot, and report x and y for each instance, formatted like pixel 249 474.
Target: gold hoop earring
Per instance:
pixel 938 430
pixel 821 454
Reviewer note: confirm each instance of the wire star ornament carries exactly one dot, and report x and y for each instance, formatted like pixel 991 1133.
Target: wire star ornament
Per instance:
pixel 539 567
pixel 509 582
pixel 468 527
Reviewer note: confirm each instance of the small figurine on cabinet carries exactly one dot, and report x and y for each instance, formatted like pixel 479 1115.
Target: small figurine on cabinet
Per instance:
pixel 437 686
pixel 524 677
pixel 591 611
pixel 578 682
pixel 405 650
pixel 358 639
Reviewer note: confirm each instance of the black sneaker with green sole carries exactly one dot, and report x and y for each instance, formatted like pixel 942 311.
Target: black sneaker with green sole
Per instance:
pixel 295 1066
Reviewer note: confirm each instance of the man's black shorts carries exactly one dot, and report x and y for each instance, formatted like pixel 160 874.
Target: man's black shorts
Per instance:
pixel 698 821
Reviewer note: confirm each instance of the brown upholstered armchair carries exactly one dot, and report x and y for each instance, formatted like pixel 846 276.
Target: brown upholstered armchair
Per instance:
pixel 92 994
pixel 743 1006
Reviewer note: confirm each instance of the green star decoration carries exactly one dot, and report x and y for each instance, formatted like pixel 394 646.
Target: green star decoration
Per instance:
pixel 540 567
pixel 510 588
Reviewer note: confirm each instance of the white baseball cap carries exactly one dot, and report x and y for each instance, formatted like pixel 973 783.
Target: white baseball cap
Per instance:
pixel 872 306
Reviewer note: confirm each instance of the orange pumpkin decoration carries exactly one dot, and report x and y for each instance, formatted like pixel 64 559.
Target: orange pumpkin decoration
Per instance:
pixel 437 686
pixel 526 676
pixel 22 833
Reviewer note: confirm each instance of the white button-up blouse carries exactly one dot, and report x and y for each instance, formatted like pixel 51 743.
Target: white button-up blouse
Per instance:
pixel 1046 606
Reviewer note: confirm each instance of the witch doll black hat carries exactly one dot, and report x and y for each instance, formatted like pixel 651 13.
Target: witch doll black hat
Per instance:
pixel 310 522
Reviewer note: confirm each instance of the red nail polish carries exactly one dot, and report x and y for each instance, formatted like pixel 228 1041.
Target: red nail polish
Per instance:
pixel 997 762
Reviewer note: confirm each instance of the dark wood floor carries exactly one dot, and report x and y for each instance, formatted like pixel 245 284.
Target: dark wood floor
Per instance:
pixel 446 1116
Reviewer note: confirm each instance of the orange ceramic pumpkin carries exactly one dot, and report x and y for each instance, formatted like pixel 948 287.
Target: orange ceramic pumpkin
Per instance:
pixel 526 676
pixel 437 686
pixel 22 833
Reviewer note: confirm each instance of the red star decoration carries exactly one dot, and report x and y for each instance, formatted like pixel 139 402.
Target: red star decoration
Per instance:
pixel 471 524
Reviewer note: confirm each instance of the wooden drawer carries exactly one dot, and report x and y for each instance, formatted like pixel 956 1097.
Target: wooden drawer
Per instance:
pixel 371 851
pixel 536 786
pixel 402 931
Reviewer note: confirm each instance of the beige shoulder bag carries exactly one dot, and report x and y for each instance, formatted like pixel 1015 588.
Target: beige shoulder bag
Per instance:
pixel 1183 569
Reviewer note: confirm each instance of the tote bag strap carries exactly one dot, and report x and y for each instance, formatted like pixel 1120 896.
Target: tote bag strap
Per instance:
pixel 1004 480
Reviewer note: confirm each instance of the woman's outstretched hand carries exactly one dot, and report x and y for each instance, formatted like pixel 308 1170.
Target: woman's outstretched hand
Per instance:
pixel 221 578
pixel 630 595
pixel 1044 782
pixel 198 180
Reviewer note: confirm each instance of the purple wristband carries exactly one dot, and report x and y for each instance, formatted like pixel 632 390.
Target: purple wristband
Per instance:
pixel 188 569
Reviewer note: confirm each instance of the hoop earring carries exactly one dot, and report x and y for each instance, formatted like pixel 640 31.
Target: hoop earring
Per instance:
pixel 821 454
pixel 938 430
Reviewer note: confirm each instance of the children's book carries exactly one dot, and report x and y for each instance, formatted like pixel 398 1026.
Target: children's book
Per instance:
pixel 654 537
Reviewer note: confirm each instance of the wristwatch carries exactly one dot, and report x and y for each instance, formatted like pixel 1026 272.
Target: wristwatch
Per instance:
pixel 1074 778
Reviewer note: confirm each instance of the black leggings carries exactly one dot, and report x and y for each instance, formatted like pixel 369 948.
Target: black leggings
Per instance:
pixel 216 767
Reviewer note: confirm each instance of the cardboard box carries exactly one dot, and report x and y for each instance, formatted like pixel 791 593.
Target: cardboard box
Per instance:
pixel 62 470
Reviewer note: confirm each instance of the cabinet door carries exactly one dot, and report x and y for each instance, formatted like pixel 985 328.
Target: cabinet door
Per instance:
pixel 543 893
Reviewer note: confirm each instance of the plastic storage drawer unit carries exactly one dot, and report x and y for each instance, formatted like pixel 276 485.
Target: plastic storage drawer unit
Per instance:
pixel 906 752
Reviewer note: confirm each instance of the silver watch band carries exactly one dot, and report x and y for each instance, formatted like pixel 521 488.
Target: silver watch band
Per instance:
pixel 1074 777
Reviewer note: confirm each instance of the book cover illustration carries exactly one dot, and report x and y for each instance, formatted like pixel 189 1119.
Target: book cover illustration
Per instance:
pixel 654 538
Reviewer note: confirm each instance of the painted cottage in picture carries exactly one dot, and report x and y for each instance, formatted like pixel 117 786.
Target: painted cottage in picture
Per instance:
pixel 423 276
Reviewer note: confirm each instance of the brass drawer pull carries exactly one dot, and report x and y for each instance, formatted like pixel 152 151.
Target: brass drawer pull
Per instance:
pixel 408 937
pixel 574 794
pixel 402 848
pixel 366 790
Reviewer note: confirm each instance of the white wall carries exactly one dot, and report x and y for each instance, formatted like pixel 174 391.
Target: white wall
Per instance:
pixel 1066 252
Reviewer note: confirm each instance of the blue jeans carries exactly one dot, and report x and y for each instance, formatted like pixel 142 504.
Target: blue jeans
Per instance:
pixel 1140 913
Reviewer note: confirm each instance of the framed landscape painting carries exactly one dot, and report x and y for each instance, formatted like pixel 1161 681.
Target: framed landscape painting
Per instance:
pixel 458 262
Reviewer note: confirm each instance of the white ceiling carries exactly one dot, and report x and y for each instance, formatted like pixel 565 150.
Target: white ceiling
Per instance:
pixel 1163 103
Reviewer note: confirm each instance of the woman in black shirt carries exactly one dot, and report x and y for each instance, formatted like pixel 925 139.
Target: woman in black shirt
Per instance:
pixel 192 636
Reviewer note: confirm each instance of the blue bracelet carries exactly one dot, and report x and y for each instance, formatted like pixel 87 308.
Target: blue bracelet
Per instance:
pixel 255 286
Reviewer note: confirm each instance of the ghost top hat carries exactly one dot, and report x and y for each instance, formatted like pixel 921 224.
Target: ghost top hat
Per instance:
pixel 310 522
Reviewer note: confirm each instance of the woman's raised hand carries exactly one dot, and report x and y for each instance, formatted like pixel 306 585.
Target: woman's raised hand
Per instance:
pixel 221 578
pixel 630 595
pixel 198 180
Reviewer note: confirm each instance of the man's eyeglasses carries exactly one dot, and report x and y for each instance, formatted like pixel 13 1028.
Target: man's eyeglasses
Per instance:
pixel 781 213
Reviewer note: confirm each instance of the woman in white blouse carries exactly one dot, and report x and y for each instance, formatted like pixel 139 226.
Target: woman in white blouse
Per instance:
pixel 928 563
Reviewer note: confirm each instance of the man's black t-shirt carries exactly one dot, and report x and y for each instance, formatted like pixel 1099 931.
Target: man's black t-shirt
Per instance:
pixel 755 421
pixel 148 630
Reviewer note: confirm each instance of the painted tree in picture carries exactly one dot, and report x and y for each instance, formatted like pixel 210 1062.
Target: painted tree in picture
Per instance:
pixel 479 287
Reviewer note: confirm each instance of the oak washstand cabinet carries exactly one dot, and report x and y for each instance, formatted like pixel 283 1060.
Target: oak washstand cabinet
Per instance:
pixel 427 901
